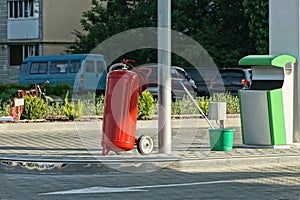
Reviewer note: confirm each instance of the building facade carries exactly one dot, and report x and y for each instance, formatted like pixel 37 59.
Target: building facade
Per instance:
pixel 36 27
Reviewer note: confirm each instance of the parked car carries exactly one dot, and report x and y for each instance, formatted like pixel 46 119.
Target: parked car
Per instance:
pixel 177 74
pixel 187 76
pixel 231 80
pixel 202 77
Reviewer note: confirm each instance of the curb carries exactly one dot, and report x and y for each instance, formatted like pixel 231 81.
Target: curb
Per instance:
pixel 219 164
pixel 183 165
pixel 53 126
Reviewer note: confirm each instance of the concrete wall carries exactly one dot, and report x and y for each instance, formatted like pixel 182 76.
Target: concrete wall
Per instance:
pixel 3 33
pixel 6 73
pixel 3 21
pixel 60 19
pixel 284 39
pixel 54 48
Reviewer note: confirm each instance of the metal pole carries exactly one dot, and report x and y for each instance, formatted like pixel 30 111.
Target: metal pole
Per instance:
pixel 196 104
pixel 164 76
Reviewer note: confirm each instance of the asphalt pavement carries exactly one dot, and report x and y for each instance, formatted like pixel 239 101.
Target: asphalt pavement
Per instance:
pixel 60 144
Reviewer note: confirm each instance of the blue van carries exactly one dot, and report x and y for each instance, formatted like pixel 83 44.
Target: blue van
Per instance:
pixel 84 72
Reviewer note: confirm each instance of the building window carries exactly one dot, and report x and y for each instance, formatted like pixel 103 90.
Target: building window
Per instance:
pixel 19 52
pixel 23 8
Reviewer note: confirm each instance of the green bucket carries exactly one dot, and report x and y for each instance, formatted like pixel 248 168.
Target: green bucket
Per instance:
pixel 221 139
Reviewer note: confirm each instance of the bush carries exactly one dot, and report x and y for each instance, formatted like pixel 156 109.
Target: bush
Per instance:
pixel 232 102
pixel 9 91
pixel 88 103
pixel 55 109
pixel 203 103
pixel 185 106
pixel 4 108
pixel 91 105
pixel 71 110
pixel 145 105
pixel 176 107
pixel 57 91
pixel 34 108
pixel 100 105
pixel 233 105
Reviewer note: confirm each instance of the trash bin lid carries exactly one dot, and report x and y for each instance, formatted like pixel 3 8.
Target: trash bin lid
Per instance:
pixel 267 60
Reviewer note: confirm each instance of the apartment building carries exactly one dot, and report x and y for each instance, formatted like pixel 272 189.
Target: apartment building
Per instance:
pixel 36 27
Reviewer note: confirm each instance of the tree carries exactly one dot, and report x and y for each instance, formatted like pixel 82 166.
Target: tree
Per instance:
pixel 218 25
pixel 224 32
pixel 103 22
pixel 100 23
pixel 257 12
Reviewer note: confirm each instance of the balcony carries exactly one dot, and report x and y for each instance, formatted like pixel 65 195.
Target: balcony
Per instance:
pixel 23 28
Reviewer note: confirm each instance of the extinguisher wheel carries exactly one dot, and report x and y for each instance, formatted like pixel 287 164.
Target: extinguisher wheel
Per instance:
pixel 145 145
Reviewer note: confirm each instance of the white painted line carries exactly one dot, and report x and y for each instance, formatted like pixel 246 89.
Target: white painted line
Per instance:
pixel 181 184
pixel 93 190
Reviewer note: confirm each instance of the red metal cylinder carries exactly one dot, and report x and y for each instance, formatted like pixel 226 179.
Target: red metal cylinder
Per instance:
pixel 120 111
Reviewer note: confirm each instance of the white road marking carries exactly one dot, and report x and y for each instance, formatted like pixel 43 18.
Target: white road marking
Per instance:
pixel 92 190
pixel 96 189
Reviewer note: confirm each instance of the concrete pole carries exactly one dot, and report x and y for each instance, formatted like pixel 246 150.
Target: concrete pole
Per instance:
pixel 164 76
pixel 284 38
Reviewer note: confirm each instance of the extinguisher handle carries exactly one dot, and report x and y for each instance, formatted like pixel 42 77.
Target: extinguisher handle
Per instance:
pixel 127 61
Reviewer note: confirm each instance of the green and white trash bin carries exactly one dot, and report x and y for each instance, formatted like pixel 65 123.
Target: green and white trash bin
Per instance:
pixel 267 107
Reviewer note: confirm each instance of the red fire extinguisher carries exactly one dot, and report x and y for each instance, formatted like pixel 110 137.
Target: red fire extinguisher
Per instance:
pixel 123 86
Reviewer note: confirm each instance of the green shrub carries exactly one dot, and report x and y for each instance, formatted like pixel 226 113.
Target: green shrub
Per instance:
pixel 55 109
pixel 232 102
pixel 9 91
pixel 91 105
pixel 34 108
pixel 71 110
pixel 232 105
pixel 183 106
pixel 176 107
pixel 145 105
pixel 88 103
pixel 219 97
pixel 155 107
pixel 186 106
pixel 4 108
pixel 203 103
pixel 58 90
pixel 100 105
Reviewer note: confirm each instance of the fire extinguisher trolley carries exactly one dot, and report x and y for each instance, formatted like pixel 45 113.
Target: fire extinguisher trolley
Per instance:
pixel 123 85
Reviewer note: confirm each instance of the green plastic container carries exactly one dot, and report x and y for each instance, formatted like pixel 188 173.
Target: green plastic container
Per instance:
pixel 221 139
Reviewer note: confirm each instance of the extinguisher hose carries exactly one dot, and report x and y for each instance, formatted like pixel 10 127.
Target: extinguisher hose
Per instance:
pixel 196 104
pixel 117 66
pixel 124 64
